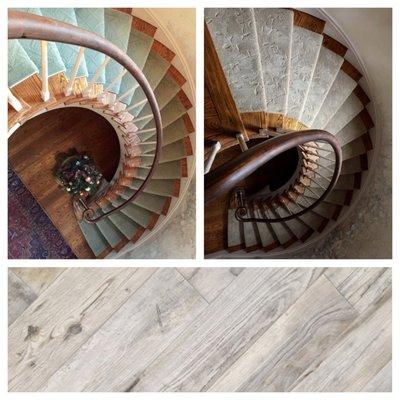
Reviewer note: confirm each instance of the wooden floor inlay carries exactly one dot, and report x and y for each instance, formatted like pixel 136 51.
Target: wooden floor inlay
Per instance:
pixel 32 152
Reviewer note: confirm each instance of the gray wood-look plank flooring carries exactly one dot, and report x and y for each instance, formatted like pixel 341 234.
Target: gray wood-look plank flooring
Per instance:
pixel 200 329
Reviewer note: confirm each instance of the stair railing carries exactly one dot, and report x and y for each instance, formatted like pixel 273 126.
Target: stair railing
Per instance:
pixel 229 175
pixel 29 26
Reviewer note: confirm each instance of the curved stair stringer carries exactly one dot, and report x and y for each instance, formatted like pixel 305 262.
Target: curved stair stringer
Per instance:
pixel 164 36
pixel 281 121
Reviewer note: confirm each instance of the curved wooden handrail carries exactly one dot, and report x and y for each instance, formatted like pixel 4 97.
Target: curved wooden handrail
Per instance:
pixel 29 26
pixel 224 178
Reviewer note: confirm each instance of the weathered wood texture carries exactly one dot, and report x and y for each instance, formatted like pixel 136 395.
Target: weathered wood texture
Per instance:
pixel 38 279
pixel 64 318
pixel 208 329
pixel 20 296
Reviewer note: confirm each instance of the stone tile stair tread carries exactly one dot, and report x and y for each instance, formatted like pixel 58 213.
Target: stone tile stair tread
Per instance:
pixel 274 31
pixel 305 49
pixel 94 237
pixel 92 19
pixel 340 90
pixel 117 31
pixel 349 109
pixel 240 50
pixel 68 52
pixel 328 66
pixel 20 66
pixel 32 48
pixel 138 50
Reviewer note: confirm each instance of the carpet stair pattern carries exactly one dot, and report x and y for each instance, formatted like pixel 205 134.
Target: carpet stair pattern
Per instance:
pixel 115 93
pixel 280 63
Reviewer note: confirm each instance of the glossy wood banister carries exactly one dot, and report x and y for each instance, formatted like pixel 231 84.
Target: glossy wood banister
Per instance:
pixel 28 26
pixel 227 176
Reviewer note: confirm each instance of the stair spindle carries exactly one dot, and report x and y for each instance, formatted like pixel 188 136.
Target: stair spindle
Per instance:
pixel 79 57
pixel 14 102
pixel 45 71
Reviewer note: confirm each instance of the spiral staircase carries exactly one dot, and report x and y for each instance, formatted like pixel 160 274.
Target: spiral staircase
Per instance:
pixel 114 63
pixel 289 136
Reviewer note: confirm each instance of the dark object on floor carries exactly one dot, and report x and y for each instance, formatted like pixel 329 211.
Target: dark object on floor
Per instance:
pixel 31 234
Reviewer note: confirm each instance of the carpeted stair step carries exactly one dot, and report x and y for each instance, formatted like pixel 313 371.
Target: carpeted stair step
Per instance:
pixel 111 232
pixel 162 187
pixel 68 52
pixel 97 242
pixel 117 31
pixel 92 19
pixel 20 66
pixel 155 68
pixel 33 50
pixel 138 50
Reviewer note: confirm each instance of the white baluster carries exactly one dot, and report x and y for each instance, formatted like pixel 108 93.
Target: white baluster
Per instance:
pixel 45 71
pixel 96 75
pixel 242 142
pixel 210 160
pixel 68 89
pixel 14 102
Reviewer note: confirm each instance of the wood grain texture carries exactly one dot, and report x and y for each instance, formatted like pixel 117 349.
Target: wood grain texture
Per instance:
pixel 32 151
pixel 382 381
pixel 361 286
pixel 158 313
pixel 20 296
pixel 210 282
pixel 226 329
pixel 295 342
pixel 60 321
pixel 207 329
pixel 364 350
pixel 38 279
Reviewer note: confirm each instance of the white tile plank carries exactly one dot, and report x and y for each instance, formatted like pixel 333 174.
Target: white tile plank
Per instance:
pixel 363 352
pixel 20 296
pixel 226 329
pixel 295 342
pixel 133 337
pixel 210 282
pixel 63 318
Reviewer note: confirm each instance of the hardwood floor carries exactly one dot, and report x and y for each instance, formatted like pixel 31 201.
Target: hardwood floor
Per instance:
pixel 32 152
pixel 200 329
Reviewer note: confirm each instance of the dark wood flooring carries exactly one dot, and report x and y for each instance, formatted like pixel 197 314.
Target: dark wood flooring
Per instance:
pixel 32 153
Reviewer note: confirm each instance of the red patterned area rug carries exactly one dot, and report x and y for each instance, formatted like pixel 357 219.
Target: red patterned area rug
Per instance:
pixel 31 234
